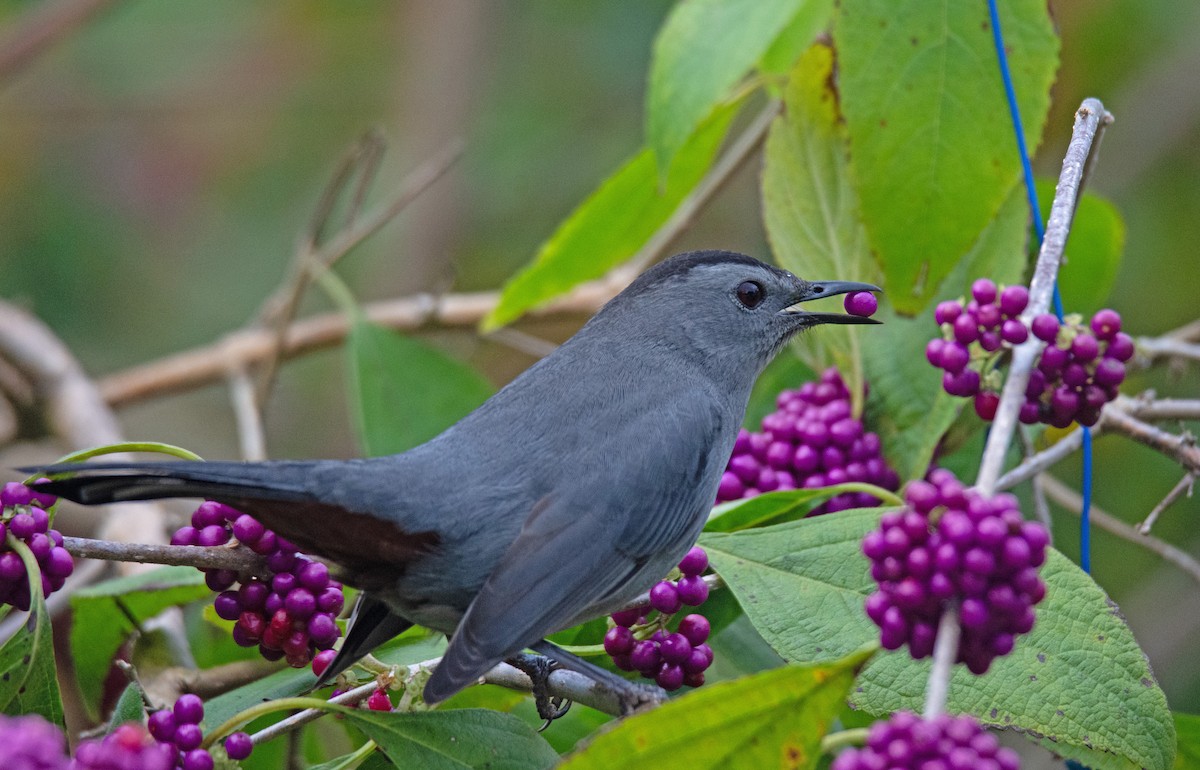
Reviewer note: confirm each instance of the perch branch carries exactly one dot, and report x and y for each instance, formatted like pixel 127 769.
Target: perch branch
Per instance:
pixel 238 559
pixel 1088 120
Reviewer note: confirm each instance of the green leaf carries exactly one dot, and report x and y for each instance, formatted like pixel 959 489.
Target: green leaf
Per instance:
pixel 129 708
pixel 703 49
pixel 455 739
pixel 100 627
pixel 751 512
pixel 1093 252
pixel 906 405
pixel 812 19
pixel 612 224
pixel 403 391
pixel 1187 731
pixel 1075 684
pixel 802 583
pixel 932 151
pixel 28 680
pixel 773 719
pixel 811 210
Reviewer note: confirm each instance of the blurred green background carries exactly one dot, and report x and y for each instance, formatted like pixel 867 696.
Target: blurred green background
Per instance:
pixel 157 166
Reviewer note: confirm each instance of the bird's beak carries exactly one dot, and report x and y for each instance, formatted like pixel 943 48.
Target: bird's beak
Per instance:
pixel 819 289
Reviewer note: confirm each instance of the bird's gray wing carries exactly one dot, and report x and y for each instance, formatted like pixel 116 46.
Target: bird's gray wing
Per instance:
pixel 579 548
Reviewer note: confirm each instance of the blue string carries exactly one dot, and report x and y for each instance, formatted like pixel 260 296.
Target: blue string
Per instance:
pixel 1085 535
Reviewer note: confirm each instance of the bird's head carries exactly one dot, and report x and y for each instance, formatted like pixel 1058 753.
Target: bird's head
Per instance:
pixel 729 308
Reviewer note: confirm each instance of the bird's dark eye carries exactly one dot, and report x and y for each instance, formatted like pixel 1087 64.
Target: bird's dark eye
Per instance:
pixel 750 294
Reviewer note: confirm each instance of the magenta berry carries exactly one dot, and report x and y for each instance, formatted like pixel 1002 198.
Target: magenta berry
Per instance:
pixel 238 746
pixel 695 562
pixel 379 701
pixel 861 303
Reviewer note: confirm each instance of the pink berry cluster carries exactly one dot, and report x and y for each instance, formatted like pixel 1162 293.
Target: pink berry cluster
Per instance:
pixel 288 615
pixel 179 729
pixel 128 746
pixel 670 659
pixel 906 741
pixel 1079 370
pixel 811 441
pixel 26 518
pixel 951 545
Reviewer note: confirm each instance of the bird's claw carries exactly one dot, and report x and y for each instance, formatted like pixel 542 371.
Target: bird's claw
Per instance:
pixel 538 668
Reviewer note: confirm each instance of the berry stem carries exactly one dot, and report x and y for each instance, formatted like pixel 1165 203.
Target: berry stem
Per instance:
pixel 944 650
pixel 843 738
pixel 123 447
pixel 31 568
pixel 314 706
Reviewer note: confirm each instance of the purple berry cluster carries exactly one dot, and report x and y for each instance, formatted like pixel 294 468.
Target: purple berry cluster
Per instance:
pixel 908 741
pixel 952 545
pixel 811 441
pixel 178 728
pixel 128 746
pixel 288 615
pixel 25 517
pixel 1079 370
pixel 670 659
pixel 32 743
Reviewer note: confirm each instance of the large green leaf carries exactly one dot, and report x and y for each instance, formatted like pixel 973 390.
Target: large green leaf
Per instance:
pixel 773 719
pixel 811 210
pixel 1093 251
pixel 703 49
pixel 455 739
pixel 404 392
pixel 1076 683
pixel 1187 730
pixel 811 20
pixel 802 584
pixel 103 617
pixel 906 404
pixel 613 223
pixel 28 675
pixel 932 153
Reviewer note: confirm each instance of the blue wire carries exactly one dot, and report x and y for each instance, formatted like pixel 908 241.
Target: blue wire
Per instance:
pixel 1085 535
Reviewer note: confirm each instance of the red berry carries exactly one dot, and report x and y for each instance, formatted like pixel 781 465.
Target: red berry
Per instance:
pixel 379 701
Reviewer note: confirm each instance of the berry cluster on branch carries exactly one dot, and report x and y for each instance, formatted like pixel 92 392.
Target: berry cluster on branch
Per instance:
pixel 811 441
pixel 26 516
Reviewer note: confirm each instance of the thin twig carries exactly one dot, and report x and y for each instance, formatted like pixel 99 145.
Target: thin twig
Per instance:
pixel 525 343
pixel 945 650
pixel 252 437
pixel 1040 508
pixel 313 250
pixel 207 364
pixel 40 28
pixel 1181 448
pixel 1184 485
pixel 1167 347
pixel 1073 502
pixel 238 558
pixel 1088 119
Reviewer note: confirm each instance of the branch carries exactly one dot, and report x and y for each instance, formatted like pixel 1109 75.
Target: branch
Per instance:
pixel 1073 502
pixel 1089 119
pixel 40 28
pixel 209 364
pixel 1184 485
pixel 1181 448
pixel 236 558
pixel 1167 347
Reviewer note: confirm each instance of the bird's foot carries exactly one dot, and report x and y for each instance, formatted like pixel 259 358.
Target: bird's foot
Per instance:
pixel 538 668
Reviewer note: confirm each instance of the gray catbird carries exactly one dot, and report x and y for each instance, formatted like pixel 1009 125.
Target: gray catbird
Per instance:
pixel 567 494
